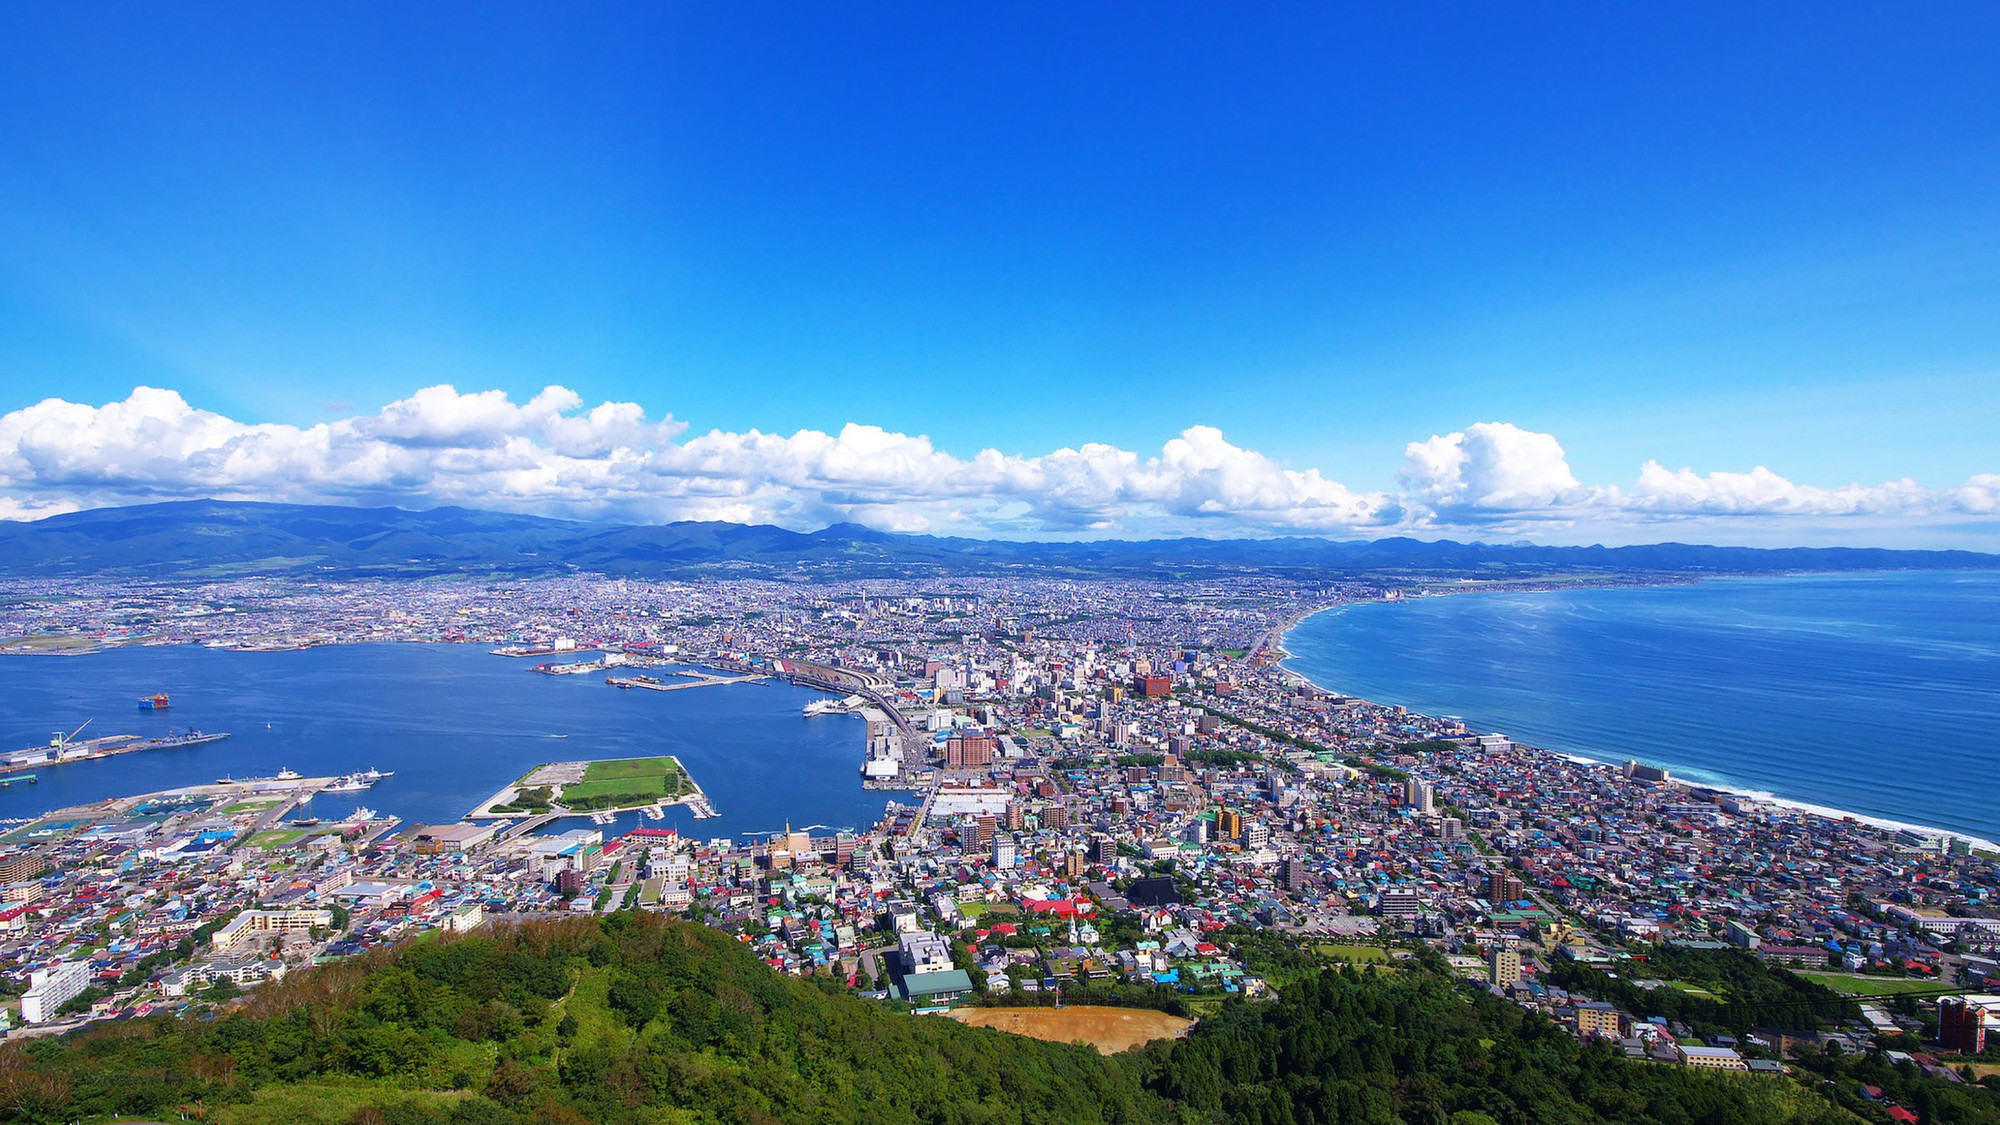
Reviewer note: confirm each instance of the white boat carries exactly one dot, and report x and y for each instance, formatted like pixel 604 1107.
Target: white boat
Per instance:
pixel 285 774
pixel 356 782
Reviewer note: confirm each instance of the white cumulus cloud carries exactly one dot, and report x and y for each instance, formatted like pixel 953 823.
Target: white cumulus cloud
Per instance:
pixel 552 454
pixel 1763 492
pixel 1492 467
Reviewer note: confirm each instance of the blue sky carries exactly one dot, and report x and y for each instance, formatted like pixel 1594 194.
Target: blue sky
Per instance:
pixel 1701 237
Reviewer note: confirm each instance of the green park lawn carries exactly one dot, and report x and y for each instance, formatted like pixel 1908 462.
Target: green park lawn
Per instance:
pixel 1358 954
pixel 1871 986
pixel 626 781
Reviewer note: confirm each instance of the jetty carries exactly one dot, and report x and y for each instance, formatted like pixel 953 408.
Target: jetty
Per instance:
pixel 696 679
pixel 63 750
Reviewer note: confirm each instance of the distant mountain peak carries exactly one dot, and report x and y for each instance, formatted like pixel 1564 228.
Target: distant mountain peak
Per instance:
pixel 218 538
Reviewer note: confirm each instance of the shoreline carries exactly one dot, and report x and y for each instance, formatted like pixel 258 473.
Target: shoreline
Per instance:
pixel 1282 654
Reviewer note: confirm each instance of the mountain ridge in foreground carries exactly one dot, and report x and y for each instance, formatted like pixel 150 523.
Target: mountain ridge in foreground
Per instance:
pixel 225 538
pixel 642 1019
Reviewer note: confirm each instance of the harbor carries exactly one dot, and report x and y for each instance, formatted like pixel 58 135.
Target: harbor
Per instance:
pixel 65 749
pixel 452 723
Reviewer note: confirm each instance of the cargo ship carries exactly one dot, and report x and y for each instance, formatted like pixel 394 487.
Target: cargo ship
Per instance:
pixel 154 702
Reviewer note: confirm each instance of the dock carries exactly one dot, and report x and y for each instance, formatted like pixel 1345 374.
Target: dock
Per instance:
pixel 94 749
pixel 698 679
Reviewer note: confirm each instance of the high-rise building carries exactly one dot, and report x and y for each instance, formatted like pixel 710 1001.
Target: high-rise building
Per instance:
pixel 1600 1019
pixel 1646 775
pixel 1392 902
pixel 1503 968
pixel 969 750
pixel 1292 873
pixel 1503 885
pixel 1228 824
pixel 49 989
pixel 1961 1026
pixel 1417 796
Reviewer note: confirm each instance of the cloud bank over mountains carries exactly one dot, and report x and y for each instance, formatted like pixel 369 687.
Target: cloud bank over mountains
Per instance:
pixel 551 455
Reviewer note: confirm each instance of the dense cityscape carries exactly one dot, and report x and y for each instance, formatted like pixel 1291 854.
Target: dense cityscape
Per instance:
pixel 1123 794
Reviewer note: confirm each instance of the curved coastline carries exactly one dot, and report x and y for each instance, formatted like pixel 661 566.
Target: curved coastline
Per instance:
pixel 1703 776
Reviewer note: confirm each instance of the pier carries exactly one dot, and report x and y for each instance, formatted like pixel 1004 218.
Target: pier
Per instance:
pixel 699 679
pixel 62 752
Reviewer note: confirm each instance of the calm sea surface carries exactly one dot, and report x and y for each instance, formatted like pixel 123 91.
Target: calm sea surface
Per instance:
pixel 454 723
pixel 1877 694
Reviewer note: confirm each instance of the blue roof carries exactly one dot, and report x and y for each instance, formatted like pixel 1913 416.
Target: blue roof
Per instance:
pixel 932 984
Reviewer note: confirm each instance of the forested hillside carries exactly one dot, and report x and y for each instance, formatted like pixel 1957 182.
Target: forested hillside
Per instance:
pixel 637 1018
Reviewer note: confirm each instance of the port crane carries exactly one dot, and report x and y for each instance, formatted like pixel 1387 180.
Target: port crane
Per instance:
pixel 61 740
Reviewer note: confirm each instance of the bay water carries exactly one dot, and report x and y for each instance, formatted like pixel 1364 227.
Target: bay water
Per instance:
pixel 1876 694
pixel 452 721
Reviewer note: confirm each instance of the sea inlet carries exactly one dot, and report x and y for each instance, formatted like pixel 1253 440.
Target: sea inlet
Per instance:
pixel 453 722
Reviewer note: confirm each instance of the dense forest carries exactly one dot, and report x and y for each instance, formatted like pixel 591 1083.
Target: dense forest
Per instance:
pixel 1739 993
pixel 640 1018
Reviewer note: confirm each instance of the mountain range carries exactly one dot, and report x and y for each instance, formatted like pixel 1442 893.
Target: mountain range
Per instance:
pixel 215 538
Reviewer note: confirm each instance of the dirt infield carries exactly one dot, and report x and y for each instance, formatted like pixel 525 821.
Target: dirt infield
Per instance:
pixel 1110 1030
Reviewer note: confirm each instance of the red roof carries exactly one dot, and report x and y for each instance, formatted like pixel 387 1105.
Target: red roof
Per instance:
pixel 1060 907
pixel 1898 1113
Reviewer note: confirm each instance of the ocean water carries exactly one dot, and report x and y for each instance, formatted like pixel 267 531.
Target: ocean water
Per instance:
pixel 1877 694
pixel 452 721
